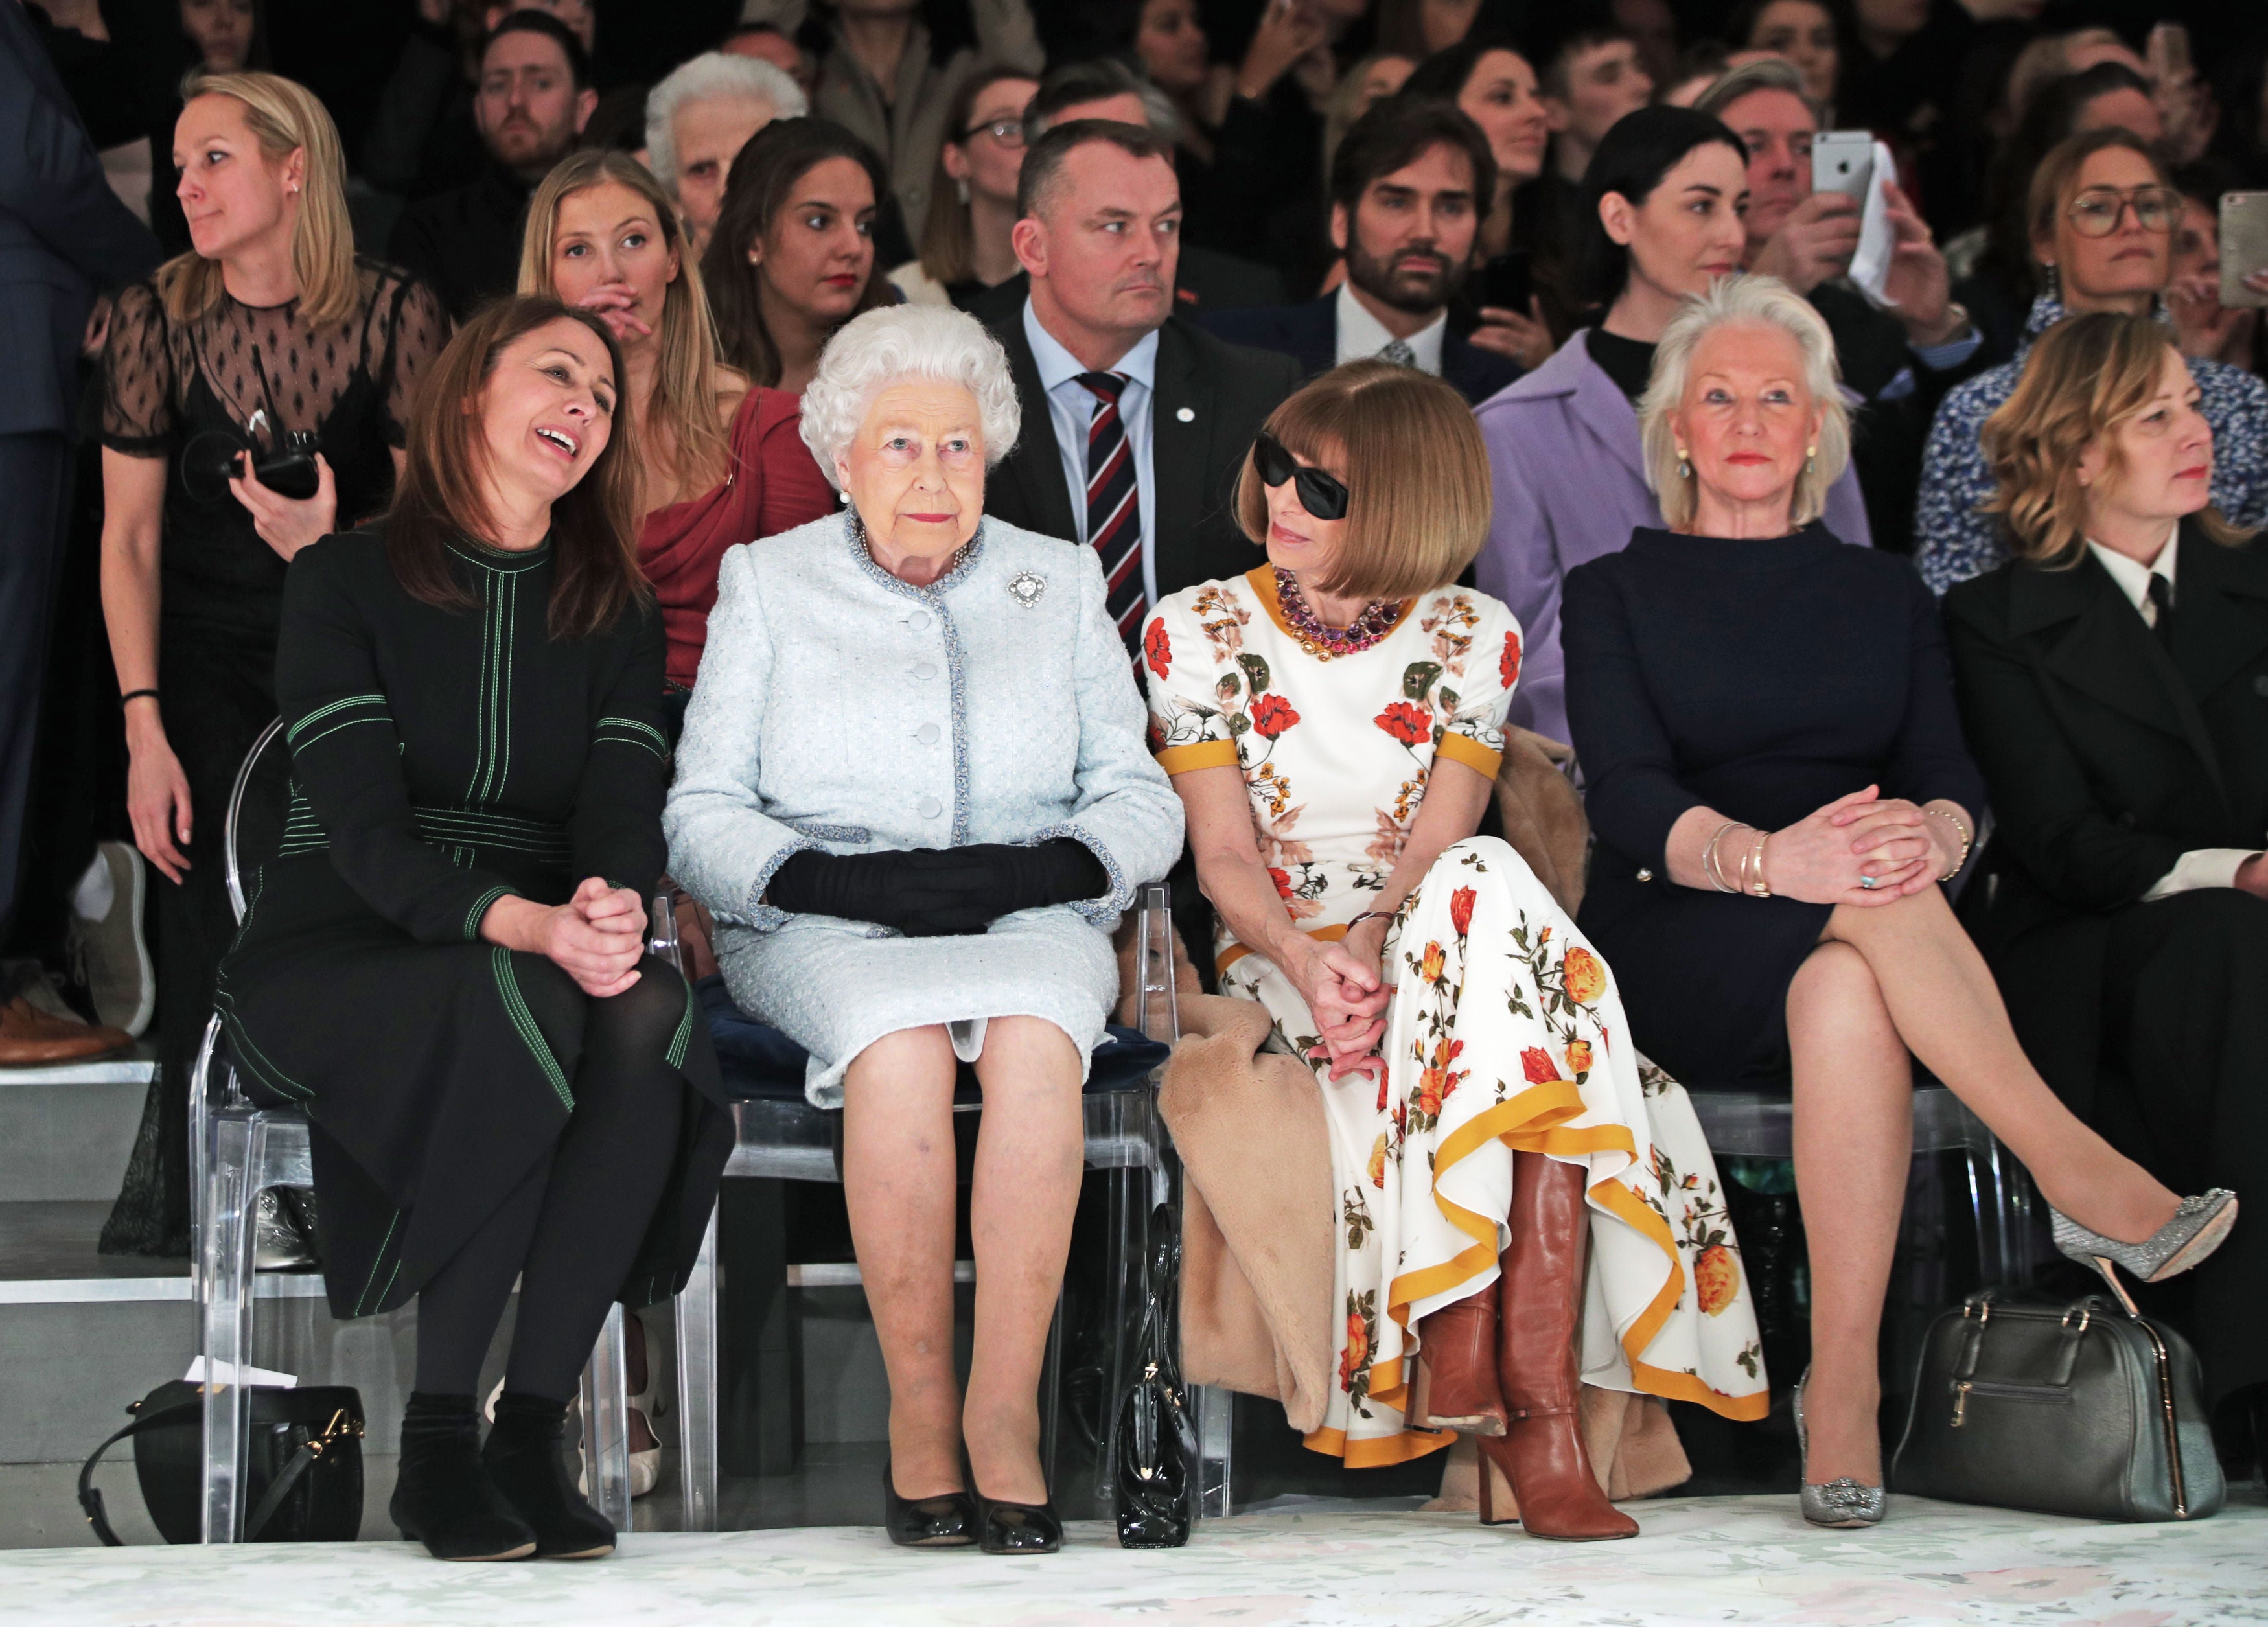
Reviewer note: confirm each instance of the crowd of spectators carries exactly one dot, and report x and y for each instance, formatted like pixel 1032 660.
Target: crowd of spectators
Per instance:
pixel 235 238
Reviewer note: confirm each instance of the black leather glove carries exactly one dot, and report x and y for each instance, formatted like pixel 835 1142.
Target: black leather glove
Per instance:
pixel 937 892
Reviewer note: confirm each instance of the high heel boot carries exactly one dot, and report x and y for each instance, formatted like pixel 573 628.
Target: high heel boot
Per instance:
pixel 1540 1300
pixel 1457 1343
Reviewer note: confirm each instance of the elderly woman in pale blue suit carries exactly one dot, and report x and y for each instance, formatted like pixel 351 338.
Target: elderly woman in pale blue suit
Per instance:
pixel 913 790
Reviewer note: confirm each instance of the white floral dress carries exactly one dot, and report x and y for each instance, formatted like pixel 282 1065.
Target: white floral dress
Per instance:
pixel 1504 1032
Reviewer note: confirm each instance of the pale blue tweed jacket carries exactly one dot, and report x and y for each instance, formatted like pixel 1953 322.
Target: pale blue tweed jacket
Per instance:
pixel 841 709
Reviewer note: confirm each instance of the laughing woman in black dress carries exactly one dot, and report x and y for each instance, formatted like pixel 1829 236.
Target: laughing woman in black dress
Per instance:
pixel 443 966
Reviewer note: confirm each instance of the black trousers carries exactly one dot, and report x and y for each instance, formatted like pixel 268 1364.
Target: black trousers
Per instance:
pixel 570 1229
pixel 36 473
pixel 2183 1092
pixel 220 692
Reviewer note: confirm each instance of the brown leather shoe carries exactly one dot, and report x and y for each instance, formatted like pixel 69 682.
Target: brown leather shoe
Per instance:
pixel 1457 1344
pixel 29 1037
pixel 1542 1454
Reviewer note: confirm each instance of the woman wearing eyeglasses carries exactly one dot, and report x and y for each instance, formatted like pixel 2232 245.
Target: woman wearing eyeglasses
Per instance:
pixel 2103 214
pixel 1334 720
pixel 972 198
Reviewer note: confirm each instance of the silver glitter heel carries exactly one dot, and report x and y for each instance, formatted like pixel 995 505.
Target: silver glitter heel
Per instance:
pixel 1842 1503
pixel 2197 1229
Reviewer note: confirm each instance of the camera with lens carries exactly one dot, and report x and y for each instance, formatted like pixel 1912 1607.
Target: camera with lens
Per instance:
pixel 289 470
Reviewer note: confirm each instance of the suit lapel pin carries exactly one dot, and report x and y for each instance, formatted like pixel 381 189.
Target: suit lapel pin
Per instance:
pixel 1025 588
pixel 1187 415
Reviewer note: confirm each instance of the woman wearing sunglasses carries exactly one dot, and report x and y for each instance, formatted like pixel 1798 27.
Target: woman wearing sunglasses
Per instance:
pixel 2102 215
pixel 1334 720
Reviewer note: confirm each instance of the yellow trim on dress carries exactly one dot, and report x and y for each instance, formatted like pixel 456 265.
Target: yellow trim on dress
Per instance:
pixel 1380 1451
pixel 1465 749
pixel 1236 952
pixel 1203 754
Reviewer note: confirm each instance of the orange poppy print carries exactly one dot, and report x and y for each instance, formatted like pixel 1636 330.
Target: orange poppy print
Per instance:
pixel 1271 715
pixel 1406 722
pixel 1158 650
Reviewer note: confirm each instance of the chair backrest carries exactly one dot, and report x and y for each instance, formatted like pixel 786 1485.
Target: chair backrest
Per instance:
pixel 259 805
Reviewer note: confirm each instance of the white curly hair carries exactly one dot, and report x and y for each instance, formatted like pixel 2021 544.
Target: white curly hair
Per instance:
pixel 713 76
pixel 1755 301
pixel 889 346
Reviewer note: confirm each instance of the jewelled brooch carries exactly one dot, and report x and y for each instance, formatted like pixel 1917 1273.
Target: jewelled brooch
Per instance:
pixel 1025 588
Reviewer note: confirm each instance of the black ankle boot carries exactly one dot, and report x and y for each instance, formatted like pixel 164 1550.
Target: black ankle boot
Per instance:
pixel 443 1497
pixel 524 1458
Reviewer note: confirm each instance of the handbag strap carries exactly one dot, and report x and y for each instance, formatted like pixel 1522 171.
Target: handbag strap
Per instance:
pixel 295 1468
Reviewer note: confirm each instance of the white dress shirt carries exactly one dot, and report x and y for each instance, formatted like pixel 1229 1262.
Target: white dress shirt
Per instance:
pixel 1362 335
pixel 2201 866
pixel 1071 408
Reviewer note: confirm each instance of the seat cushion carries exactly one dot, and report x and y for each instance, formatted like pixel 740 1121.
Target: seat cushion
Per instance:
pixel 760 1063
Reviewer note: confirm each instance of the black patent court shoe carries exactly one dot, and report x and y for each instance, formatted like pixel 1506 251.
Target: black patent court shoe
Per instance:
pixel 946 1521
pixel 1018 1527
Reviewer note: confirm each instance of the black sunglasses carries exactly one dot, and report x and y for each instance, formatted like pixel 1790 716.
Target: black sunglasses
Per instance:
pixel 1321 493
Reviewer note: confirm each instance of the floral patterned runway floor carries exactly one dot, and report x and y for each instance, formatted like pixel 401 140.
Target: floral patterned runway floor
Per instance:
pixel 1701 1559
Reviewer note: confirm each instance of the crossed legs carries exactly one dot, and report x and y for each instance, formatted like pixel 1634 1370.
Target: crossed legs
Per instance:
pixel 898 1182
pixel 1887 982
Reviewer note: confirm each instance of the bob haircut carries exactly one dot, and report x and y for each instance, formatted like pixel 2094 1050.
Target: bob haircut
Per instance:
pixel 2086 376
pixel 1754 301
pixel 284 118
pixel 1416 476
pixel 1632 158
pixel 439 495
pixel 2055 181
pixel 687 380
pixel 759 186
pixel 872 352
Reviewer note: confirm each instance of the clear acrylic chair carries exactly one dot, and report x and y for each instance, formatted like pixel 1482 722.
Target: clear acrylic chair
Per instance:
pixel 239 1149
pixel 1125 1138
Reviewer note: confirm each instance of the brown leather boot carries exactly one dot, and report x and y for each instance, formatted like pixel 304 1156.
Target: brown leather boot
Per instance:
pixel 1541 1296
pixel 30 1037
pixel 1457 1344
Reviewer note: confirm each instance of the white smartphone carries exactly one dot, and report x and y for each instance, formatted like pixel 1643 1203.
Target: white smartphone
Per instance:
pixel 2243 246
pixel 1843 161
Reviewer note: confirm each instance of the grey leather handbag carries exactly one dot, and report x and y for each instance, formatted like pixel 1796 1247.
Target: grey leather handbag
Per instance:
pixel 2063 1409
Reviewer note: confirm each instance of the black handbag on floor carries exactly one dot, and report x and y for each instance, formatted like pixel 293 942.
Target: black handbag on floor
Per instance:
pixel 2076 1409
pixel 302 1470
pixel 1156 1443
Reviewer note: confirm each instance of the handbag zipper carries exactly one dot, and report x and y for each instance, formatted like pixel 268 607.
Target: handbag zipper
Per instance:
pixel 2053 1394
pixel 2166 1409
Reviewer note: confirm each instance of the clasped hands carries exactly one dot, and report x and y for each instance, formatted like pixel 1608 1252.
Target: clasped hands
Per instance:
pixel 1346 996
pixel 1824 857
pixel 937 892
pixel 596 937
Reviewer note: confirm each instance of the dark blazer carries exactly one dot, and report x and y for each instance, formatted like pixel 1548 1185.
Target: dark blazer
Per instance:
pixel 1210 401
pixel 1309 334
pixel 2107 758
pixel 63 235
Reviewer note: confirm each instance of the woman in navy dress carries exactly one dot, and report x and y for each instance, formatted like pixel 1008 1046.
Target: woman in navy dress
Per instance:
pixel 1776 774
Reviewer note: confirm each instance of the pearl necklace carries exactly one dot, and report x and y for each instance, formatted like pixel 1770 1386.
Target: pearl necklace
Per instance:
pixel 1378 619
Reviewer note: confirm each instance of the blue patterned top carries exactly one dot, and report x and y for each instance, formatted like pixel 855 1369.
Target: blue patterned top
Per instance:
pixel 1955 539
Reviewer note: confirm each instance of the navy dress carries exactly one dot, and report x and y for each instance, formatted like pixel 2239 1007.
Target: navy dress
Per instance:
pixel 1765 680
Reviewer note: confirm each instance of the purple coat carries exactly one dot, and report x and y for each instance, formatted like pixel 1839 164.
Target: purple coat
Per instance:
pixel 1570 486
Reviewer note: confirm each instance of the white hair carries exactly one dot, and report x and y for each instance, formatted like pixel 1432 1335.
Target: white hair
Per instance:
pixel 889 346
pixel 713 76
pixel 1758 301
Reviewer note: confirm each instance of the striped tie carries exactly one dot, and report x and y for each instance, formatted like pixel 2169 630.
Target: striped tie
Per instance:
pixel 1113 507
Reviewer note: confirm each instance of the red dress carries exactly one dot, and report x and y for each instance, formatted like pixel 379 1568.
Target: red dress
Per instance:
pixel 774 485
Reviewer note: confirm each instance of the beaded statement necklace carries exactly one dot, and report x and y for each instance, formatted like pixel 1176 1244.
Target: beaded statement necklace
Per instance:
pixel 1378 619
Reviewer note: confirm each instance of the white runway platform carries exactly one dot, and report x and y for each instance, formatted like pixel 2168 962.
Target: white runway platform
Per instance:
pixel 1703 1559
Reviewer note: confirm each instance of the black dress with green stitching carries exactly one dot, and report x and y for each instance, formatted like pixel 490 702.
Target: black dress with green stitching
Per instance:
pixel 443 759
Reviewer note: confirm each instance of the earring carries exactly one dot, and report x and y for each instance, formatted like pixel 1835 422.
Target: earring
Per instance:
pixel 1684 468
pixel 1810 458
pixel 960 188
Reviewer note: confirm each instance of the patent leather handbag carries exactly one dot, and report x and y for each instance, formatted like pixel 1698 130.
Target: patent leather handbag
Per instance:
pixel 2074 1408
pixel 1156 1443
pixel 303 1464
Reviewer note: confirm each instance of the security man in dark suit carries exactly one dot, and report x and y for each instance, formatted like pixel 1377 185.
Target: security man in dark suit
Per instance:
pixel 1136 423
pixel 1409 185
pixel 65 237
pixel 2114 689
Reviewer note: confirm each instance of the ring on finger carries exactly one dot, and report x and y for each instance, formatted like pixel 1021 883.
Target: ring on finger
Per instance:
pixel 1866 882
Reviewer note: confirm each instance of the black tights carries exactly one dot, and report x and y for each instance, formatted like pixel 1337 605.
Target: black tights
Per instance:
pixel 571 1227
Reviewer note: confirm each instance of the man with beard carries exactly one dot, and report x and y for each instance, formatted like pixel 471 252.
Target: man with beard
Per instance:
pixel 533 100
pixel 1410 184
